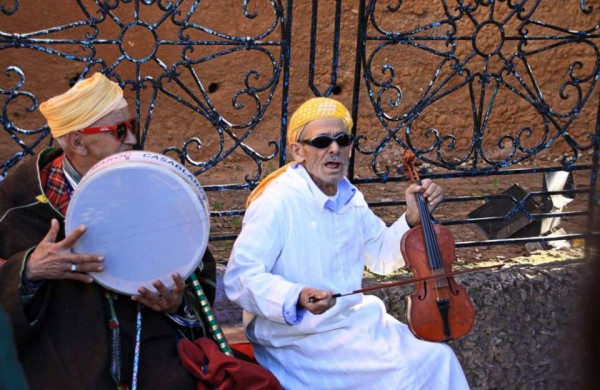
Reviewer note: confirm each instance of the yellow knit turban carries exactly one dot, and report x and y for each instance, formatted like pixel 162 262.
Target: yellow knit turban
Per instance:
pixel 315 108
pixel 83 104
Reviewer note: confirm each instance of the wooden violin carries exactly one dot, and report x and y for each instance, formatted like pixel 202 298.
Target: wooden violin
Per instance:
pixel 438 309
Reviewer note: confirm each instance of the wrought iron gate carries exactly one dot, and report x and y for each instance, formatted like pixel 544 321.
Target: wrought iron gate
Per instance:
pixel 435 77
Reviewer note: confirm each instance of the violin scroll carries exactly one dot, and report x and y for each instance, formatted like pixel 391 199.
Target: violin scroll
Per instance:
pixel 408 161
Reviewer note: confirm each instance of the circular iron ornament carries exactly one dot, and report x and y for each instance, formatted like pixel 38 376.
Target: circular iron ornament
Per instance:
pixel 125 41
pixel 486 32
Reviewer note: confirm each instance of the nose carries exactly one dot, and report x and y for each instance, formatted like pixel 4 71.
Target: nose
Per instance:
pixel 131 136
pixel 334 147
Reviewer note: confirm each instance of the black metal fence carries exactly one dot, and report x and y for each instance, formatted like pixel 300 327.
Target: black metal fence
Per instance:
pixel 477 89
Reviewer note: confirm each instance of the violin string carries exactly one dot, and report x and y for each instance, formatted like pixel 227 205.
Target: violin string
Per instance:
pixel 431 241
pixel 432 247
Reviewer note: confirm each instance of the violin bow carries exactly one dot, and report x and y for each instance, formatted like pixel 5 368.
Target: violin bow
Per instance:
pixel 410 280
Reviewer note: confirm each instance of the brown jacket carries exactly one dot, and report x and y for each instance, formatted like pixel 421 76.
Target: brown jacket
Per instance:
pixel 62 335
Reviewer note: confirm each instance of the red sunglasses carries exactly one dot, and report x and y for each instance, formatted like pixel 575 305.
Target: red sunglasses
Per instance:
pixel 120 129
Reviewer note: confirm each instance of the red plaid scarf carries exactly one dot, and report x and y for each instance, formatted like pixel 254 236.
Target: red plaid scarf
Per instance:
pixel 55 185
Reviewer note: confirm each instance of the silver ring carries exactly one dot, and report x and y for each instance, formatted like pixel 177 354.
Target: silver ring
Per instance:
pixel 73 267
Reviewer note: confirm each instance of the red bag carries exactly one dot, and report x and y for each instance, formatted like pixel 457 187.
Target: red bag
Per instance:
pixel 203 359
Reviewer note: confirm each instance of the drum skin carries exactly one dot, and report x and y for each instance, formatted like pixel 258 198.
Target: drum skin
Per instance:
pixel 146 214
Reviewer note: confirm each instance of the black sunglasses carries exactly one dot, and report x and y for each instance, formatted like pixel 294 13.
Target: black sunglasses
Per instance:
pixel 323 141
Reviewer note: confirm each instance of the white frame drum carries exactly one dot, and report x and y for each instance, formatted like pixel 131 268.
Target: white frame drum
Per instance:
pixel 148 216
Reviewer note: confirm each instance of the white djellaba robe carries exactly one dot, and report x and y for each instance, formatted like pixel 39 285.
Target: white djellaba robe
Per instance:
pixel 290 240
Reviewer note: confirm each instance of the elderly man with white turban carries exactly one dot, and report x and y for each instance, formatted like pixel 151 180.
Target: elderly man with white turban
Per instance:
pixel 69 331
pixel 307 232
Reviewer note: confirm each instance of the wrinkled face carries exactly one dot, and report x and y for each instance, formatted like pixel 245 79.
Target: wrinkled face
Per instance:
pixel 103 145
pixel 326 166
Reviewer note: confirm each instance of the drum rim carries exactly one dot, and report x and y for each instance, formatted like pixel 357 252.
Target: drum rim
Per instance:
pixel 139 156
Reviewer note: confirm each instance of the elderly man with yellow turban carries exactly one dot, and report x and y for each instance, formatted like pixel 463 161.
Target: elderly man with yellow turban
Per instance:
pixel 69 331
pixel 307 232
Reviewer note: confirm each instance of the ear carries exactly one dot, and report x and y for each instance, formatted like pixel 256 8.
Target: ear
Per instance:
pixel 75 144
pixel 297 152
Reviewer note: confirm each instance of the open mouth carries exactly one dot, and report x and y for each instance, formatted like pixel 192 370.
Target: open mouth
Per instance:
pixel 332 165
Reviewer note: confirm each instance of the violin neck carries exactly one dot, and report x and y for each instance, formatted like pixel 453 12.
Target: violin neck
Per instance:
pixel 429 236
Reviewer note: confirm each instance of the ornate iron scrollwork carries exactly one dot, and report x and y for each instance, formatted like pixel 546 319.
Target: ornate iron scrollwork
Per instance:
pixel 258 85
pixel 491 67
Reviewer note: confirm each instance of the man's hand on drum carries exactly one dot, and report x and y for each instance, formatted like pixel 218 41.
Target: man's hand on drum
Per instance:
pixel 166 301
pixel 54 260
